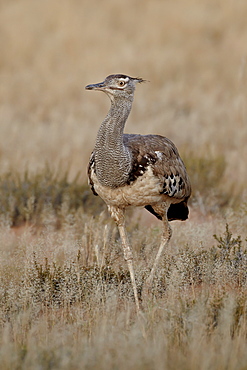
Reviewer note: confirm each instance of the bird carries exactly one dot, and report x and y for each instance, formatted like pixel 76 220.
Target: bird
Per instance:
pixel 136 170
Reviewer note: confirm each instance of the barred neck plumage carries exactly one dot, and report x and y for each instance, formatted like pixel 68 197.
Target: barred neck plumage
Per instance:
pixel 112 158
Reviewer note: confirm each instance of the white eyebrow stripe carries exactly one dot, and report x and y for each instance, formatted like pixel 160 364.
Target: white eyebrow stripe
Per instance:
pixel 126 79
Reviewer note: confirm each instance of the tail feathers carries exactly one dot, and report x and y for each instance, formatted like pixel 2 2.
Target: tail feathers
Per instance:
pixel 178 211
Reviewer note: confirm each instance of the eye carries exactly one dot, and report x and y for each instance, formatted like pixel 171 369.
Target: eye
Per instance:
pixel 121 83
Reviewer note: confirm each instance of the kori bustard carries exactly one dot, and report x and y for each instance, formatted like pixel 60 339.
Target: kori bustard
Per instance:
pixel 136 170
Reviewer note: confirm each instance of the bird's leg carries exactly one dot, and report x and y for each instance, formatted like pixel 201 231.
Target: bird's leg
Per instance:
pixel 166 236
pixel 128 256
pixel 118 215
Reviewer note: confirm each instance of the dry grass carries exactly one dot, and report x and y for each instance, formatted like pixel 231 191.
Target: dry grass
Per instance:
pixel 66 300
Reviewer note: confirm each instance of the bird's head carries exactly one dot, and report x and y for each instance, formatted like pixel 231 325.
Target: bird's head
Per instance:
pixel 117 86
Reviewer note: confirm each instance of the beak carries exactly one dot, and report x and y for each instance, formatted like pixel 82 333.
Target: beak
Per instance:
pixel 99 86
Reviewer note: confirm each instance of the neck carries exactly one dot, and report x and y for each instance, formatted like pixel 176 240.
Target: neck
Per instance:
pixel 112 158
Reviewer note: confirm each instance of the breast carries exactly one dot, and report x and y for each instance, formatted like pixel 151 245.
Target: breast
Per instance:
pixel 146 189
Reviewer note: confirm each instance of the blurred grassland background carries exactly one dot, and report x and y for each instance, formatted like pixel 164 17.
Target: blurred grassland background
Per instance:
pixel 66 300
